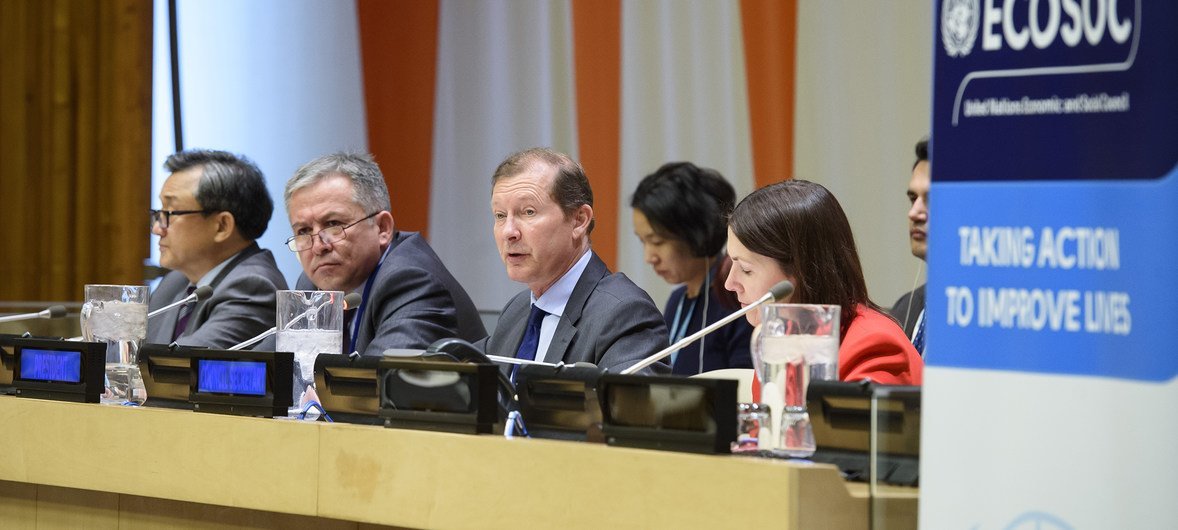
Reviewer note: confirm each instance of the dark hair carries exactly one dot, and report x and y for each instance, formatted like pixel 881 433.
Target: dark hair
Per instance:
pixel 689 203
pixel 229 183
pixel 802 226
pixel 571 187
pixel 921 152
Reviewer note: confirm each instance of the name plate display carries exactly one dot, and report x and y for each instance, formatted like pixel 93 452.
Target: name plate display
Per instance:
pixel 55 369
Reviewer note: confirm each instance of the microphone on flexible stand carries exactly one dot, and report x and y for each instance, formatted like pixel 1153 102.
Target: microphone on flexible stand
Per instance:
pixel 351 301
pixel 201 293
pixel 778 292
pixel 53 311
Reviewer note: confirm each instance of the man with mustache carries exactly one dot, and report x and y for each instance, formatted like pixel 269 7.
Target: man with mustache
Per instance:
pixel 574 309
pixel 346 241
pixel 909 309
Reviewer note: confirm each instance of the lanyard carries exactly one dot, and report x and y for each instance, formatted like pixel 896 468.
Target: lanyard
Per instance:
pixel 364 301
pixel 679 327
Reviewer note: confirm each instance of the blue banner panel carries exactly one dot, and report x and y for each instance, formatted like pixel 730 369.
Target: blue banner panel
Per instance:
pixel 1054 202
pixel 1055 277
pixel 1055 90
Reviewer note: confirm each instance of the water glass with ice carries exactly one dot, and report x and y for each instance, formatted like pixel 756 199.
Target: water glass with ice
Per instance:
pixel 793 344
pixel 117 316
pixel 309 323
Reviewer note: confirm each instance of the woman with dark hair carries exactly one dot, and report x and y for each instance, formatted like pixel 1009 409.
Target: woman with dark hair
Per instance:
pixel 796 230
pixel 679 213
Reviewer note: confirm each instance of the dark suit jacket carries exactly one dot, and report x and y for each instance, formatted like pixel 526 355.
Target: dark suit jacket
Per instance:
pixel 608 321
pixel 909 306
pixel 414 302
pixel 241 306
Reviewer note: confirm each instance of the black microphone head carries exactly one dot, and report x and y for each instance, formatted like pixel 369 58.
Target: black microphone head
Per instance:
pixel 203 292
pixel 782 290
pixel 55 311
pixel 352 300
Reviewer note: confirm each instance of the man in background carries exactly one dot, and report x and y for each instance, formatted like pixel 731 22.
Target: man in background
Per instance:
pixel 909 309
pixel 574 309
pixel 214 207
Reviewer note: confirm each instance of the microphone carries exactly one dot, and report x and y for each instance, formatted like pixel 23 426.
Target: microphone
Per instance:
pixel 351 301
pixel 777 292
pixel 512 360
pixel 53 311
pixel 197 295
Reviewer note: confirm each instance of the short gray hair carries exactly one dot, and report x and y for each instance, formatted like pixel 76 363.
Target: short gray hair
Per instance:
pixel 368 187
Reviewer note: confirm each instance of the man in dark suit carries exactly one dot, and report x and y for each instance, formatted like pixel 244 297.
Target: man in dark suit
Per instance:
pixel 215 205
pixel 346 241
pixel 909 309
pixel 574 309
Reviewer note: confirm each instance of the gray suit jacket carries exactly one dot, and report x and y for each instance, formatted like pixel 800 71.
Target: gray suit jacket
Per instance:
pixel 608 321
pixel 908 308
pixel 414 302
pixel 241 306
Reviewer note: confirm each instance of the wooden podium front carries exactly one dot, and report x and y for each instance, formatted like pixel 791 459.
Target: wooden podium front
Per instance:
pixel 66 465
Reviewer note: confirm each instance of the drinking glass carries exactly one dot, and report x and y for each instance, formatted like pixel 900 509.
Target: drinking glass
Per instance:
pixel 117 316
pixel 309 323
pixel 794 343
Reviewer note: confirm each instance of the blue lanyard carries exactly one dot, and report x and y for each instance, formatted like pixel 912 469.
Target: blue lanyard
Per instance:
pixel 364 301
pixel 679 327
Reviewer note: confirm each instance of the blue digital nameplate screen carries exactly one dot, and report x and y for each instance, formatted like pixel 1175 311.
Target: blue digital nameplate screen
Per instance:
pixel 51 365
pixel 231 377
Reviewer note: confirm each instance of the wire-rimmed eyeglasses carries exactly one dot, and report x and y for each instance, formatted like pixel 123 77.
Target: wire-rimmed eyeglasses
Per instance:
pixel 329 235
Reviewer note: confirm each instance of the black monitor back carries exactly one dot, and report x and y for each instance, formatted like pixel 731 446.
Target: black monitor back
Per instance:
pixel 840 413
pixel 347 388
pixel 166 376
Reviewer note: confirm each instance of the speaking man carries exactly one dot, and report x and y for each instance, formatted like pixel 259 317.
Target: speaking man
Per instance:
pixel 909 309
pixel 574 309
pixel 346 240
pixel 214 206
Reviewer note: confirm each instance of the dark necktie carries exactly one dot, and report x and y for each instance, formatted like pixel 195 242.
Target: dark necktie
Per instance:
pixel 183 314
pixel 349 316
pixel 527 347
pixel 918 337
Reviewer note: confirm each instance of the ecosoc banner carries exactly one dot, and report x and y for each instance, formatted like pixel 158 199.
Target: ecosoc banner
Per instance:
pixel 1052 349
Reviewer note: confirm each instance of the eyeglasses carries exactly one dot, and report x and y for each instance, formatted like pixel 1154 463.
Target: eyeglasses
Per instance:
pixel 329 236
pixel 164 217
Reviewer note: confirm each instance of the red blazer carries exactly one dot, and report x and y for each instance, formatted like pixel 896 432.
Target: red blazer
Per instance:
pixel 876 347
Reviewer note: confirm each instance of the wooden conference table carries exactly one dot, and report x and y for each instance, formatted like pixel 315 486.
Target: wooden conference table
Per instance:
pixel 67 465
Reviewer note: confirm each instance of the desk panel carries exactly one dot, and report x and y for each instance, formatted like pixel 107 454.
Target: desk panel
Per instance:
pixel 68 464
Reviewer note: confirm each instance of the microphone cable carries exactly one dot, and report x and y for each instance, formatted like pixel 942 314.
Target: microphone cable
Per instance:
pixel 911 294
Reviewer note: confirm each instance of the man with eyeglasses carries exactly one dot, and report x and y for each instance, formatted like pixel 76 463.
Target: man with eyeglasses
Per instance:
pixel 214 206
pixel 346 241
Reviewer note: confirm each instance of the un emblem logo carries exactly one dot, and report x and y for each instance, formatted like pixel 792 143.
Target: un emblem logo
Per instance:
pixel 959 26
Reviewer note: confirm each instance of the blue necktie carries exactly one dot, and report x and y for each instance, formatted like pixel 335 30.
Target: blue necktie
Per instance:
pixel 918 337
pixel 183 314
pixel 527 347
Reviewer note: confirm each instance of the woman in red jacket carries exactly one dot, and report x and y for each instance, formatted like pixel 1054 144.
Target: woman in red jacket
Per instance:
pixel 796 230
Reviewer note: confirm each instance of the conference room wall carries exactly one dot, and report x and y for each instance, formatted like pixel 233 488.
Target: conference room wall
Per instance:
pixel 285 95
pixel 276 80
pixel 864 81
